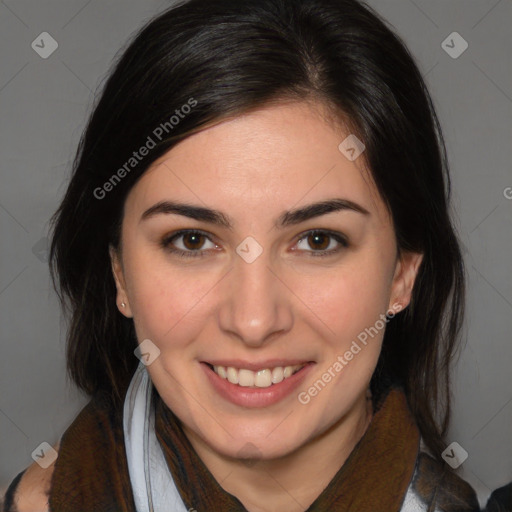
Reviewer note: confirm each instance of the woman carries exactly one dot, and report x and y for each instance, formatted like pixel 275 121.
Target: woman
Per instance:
pixel 265 288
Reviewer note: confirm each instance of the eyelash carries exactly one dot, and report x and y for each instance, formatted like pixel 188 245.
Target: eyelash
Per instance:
pixel 200 253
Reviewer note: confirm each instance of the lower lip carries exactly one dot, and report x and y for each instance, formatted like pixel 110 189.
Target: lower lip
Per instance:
pixel 256 397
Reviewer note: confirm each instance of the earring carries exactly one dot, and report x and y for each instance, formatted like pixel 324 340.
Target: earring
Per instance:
pixel 396 308
pixel 123 305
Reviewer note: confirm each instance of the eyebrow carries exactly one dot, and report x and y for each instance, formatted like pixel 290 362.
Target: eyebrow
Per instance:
pixel 288 218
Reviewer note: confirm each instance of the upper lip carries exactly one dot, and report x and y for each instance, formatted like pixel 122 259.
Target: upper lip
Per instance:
pixel 256 365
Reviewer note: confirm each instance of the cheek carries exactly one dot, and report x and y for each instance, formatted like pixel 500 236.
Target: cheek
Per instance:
pixel 346 299
pixel 166 302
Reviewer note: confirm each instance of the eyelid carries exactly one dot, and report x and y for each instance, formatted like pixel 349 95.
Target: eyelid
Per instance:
pixel 342 239
pixel 181 232
pixel 166 243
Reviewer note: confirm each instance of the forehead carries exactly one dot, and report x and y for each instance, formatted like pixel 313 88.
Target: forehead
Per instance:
pixel 280 156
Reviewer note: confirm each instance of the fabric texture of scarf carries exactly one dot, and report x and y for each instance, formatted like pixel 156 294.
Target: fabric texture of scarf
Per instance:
pixel 133 457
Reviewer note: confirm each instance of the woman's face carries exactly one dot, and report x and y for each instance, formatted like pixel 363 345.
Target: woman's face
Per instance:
pixel 261 280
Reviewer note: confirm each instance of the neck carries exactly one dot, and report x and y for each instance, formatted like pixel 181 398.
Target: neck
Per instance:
pixel 285 483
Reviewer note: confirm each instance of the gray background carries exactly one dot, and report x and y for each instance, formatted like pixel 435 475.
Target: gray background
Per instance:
pixel 44 104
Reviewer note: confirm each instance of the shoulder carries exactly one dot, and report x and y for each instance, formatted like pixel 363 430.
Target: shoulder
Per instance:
pixel 91 467
pixel 500 499
pixel 30 490
pixel 91 471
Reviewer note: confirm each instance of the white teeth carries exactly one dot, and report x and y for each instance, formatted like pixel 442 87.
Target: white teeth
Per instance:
pixel 245 378
pixel 277 374
pixel 232 375
pixel 260 379
pixel 263 379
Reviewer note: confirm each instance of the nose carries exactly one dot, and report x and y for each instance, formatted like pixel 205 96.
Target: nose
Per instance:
pixel 257 307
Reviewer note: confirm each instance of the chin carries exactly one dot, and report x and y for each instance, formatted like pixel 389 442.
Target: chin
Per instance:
pixel 252 446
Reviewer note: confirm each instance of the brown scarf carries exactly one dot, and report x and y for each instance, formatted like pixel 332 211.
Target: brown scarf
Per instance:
pixel 91 472
pixel 374 478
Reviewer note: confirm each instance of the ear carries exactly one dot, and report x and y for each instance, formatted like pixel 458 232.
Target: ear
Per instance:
pixel 117 271
pixel 406 270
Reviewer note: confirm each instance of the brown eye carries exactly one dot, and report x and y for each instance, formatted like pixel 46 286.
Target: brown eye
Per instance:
pixel 322 243
pixel 193 241
pixel 319 241
pixel 188 243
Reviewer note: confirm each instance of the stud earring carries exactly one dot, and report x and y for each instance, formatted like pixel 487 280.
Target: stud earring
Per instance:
pixel 396 308
pixel 123 305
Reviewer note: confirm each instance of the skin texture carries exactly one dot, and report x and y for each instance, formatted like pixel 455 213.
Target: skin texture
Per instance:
pixel 288 303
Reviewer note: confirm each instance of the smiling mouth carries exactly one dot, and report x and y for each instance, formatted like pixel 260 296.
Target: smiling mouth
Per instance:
pixel 263 378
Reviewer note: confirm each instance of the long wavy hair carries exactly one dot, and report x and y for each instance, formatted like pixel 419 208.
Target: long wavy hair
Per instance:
pixel 229 57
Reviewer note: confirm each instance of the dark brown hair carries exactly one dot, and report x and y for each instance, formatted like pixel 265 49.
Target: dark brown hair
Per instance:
pixel 231 56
